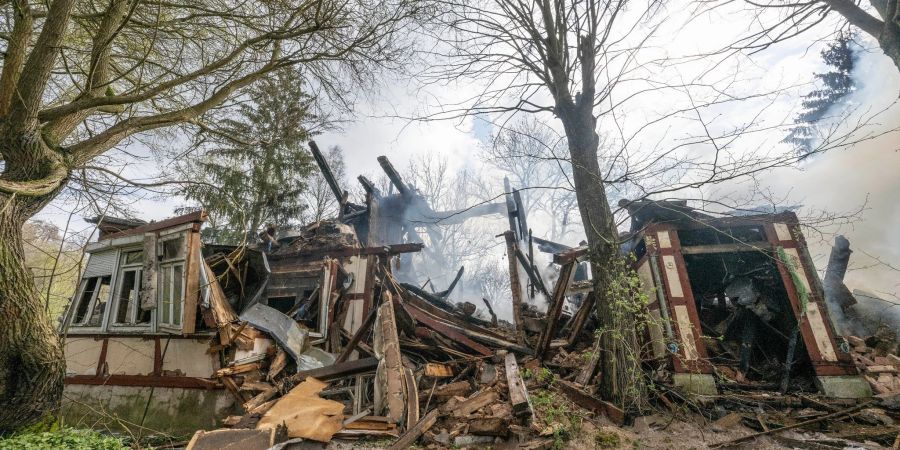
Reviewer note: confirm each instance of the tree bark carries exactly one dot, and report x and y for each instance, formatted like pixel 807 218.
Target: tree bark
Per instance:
pixel 32 364
pixel 621 381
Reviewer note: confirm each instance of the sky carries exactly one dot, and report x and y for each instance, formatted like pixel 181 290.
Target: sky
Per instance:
pixel 864 176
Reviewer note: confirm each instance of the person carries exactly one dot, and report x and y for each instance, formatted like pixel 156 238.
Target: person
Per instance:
pixel 268 237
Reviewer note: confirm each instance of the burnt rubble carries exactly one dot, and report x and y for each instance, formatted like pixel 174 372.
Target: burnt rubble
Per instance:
pixel 326 334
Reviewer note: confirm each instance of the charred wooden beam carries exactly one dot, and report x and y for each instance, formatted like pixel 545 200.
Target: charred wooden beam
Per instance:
pixel 326 171
pixel 532 272
pixel 556 306
pixel 487 304
pixel 515 285
pixel 369 186
pixel 446 293
pixel 570 255
pixel 394 176
pixel 548 246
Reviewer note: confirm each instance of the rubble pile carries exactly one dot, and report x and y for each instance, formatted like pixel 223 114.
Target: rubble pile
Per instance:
pixel 876 359
pixel 417 367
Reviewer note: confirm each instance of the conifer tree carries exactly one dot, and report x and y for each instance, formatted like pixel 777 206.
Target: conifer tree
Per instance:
pixel 835 85
pixel 254 162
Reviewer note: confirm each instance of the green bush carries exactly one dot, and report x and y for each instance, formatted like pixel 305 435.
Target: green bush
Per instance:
pixel 66 438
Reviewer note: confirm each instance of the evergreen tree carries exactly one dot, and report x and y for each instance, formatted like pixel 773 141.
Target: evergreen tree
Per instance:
pixel 835 84
pixel 254 163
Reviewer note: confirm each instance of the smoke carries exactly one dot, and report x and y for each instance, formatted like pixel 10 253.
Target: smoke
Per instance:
pixel 865 177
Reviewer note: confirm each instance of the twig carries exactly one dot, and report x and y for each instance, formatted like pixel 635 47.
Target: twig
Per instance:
pixel 796 425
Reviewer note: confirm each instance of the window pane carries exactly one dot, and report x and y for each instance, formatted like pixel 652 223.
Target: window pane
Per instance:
pixel 100 305
pixel 127 294
pixel 166 294
pixel 135 257
pixel 85 300
pixel 173 248
pixel 177 294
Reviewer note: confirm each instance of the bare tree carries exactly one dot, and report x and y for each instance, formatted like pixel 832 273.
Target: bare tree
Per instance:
pixel 537 159
pixel 574 53
pixel 778 20
pixel 81 78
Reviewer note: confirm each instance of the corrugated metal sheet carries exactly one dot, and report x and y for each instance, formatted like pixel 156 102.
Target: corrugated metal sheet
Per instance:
pixel 100 264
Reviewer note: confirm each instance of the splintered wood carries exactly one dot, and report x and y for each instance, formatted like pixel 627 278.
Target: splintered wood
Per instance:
pixel 389 391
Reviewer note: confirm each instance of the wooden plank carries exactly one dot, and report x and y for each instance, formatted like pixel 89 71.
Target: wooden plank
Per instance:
pixel 412 397
pixel 518 393
pixel 474 403
pixel 584 377
pixel 581 318
pixel 192 285
pixel 437 370
pixel 412 434
pixel 591 403
pixel 566 273
pixel 726 248
pixel 446 330
pixel 515 285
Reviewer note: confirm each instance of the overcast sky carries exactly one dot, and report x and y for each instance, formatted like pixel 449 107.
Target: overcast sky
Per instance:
pixel 836 181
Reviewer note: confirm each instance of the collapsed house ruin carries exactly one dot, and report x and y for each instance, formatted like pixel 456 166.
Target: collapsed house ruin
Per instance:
pixel 328 335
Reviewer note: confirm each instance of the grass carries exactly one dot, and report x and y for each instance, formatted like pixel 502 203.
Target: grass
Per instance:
pixel 63 438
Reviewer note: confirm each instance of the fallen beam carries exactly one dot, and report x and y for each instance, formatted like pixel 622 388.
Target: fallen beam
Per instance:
pixel 518 393
pixel 591 403
pixel 414 433
pixel 360 333
pixel 515 285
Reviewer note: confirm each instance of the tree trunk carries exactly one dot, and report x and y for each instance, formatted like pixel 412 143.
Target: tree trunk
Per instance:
pixel 621 380
pixel 32 364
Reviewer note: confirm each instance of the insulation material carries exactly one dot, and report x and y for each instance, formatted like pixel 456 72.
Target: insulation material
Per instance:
pixel 389 398
pixel 305 414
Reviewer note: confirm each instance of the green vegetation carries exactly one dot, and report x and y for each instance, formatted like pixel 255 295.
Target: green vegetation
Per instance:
pixel 554 414
pixel 607 439
pixel 65 438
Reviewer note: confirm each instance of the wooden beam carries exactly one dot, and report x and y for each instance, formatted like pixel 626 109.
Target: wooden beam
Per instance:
pixel 726 248
pixel 556 306
pixel 515 285
pixel 518 393
pixel 591 403
pixel 326 171
pixel 412 434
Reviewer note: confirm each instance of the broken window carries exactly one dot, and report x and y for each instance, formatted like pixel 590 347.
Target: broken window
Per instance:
pixel 128 295
pixel 92 302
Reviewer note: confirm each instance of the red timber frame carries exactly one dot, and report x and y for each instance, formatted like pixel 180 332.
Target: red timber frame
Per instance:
pixel 781 230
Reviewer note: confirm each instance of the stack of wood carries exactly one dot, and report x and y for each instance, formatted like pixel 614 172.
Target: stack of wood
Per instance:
pixel 880 367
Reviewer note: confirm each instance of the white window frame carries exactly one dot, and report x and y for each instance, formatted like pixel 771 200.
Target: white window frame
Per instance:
pixel 164 266
pixel 123 267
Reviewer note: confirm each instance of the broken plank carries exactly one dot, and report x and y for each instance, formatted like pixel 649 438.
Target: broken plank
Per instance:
pixel 591 403
pixel 437 370
pixel 489 426
pixel 412 397
pixel 474 403
pixel 518 393
pixel 446 330
pixel 515 285
pixel 412 434
pixel 389 374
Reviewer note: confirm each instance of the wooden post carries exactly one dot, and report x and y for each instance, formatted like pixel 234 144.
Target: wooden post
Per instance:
pixel 556 306
pixel 515 285
pixel 518 393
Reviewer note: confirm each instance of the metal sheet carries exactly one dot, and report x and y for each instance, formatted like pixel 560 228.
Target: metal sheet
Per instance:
pixel 279 326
